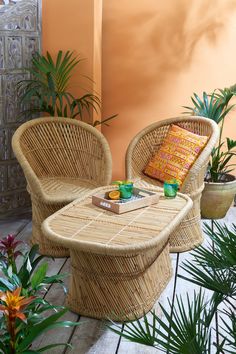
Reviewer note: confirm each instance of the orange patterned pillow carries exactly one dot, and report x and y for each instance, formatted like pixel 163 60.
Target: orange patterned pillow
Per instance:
pixel 176 155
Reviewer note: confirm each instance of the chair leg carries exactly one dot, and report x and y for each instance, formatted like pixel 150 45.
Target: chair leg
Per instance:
pixel 40 211
pixel 189 233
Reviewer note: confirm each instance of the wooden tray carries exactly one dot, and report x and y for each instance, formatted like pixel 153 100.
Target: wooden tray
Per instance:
pixel 141 198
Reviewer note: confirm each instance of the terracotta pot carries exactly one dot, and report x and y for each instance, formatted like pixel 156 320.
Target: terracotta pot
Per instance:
pixel 217 198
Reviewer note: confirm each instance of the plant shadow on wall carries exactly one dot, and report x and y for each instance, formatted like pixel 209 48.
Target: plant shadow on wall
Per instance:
pixel 186 326
pixel 24 313
pixel 220 184
pixel 159 42
pixel 47 90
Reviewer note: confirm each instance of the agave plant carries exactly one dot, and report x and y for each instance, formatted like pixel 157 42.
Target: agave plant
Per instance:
pixel 185 328
pixel 216 107
pixel 47 91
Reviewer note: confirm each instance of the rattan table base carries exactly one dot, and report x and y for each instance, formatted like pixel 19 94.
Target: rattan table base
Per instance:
pixel 121 295
pixel 119 263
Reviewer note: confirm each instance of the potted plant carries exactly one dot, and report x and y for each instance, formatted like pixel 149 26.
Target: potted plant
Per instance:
pixel 47 89
pixel 220 184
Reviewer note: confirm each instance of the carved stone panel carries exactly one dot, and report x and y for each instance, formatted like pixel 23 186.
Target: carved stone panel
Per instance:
pixel 12 108
pixel 20 37
pixel 1 52
pixel 14 52
pixel 15 177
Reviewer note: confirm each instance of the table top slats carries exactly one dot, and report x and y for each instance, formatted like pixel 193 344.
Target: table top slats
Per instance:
pixel 83 222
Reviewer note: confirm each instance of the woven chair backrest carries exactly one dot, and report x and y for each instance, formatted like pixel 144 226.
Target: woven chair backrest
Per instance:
pixel 62 147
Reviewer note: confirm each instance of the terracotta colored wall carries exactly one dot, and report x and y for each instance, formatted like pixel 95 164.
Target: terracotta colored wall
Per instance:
pixel 71 25
pixel 155 55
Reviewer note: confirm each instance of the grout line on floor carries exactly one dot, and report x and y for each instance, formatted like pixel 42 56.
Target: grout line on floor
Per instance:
pixel 174 290
pixel 118 344
pixel 216 314
pixel 21 228
pixel 71 336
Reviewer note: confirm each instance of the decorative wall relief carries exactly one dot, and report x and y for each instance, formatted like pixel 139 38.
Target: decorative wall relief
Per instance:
pixel 14 51
pixel 20 37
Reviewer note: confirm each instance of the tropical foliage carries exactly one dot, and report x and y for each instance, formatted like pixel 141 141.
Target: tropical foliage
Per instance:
pixel 216 106
pixel 24 314
pixel 185 329
pixel 47 90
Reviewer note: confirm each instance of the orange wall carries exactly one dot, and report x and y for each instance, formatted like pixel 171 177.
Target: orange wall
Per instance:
pixel 70 25
pixel 155 55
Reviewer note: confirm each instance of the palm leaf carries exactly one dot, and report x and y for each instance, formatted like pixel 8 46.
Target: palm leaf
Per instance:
pixel 182 330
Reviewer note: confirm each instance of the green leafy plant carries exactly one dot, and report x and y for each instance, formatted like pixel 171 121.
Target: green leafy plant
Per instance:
pixel 30 275
pixel 182 329
pixel 22 322
pixel 47 90
pixel 25 314
pixel 216 106
pixel 187 328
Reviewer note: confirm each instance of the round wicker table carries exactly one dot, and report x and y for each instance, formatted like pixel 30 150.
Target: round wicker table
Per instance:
pixel 119 263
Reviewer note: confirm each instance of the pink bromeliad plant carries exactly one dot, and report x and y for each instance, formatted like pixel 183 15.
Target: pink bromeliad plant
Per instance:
pixel 8 250
pixel 24 314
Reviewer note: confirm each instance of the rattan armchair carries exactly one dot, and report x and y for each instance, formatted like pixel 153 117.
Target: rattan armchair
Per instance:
pixel 62 159
pixel 189 234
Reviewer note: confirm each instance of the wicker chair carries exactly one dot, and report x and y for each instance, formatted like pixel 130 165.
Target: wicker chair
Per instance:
pixel 62 159
pixel 189 234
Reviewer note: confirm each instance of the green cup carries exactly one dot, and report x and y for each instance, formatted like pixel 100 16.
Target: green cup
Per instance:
pixel 126 190
pixel 170 189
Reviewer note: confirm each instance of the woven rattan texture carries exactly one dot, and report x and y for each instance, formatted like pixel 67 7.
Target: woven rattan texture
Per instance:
pixel 119 291
pixel 120 263
pixel 140 151
pixel 62 159
pixel 85 226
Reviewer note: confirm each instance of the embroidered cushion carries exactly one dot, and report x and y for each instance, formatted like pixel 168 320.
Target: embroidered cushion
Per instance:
pixel 176 155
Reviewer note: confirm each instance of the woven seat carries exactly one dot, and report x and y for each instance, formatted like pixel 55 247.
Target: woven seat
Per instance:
pixel 62 159
pixel 64 188
pixel 189 234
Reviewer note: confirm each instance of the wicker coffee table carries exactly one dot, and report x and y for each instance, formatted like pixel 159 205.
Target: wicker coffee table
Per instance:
pixel 119 263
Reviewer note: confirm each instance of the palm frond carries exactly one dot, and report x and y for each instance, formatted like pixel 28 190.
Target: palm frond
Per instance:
pixel 183 328
pixel 47 89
